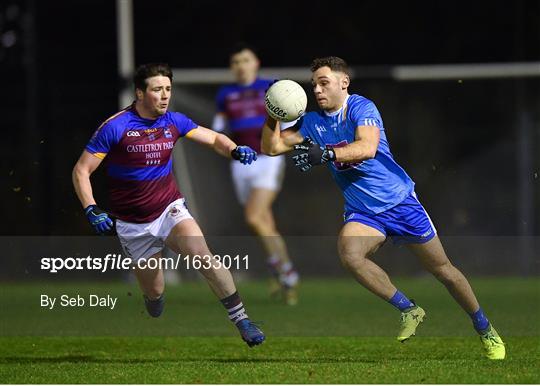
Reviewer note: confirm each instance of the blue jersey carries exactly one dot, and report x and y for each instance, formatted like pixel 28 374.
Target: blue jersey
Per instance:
pixel 371 186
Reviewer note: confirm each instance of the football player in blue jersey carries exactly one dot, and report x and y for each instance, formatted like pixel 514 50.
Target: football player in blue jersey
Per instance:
pixel 347 134
pixel 241 113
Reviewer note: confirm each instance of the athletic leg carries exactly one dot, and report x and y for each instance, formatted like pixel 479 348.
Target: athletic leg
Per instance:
pixel 434 259
pixel 142 248
pixel 151 281
pixel 259 216
pixel 152 284
pixel 186 237
pixel 357 242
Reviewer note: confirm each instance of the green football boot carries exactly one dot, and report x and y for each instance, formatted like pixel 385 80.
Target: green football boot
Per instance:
pixel 410 320
pixel 493 344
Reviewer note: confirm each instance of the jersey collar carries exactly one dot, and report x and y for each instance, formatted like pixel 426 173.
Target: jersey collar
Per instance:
pixel 341 109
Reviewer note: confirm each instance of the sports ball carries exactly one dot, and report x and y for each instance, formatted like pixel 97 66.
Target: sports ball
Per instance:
pixel 285 100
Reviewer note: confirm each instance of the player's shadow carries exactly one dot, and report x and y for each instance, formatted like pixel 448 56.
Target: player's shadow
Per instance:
pixel 60 359
pixel 289 360
pixel 92 359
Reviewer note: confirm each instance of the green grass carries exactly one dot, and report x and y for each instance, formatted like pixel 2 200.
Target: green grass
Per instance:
pixel 339 333
pixel 280 360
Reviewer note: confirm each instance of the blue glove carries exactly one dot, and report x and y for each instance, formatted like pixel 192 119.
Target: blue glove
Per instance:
pixel 244 154
pixel 309 154
pixel 99 219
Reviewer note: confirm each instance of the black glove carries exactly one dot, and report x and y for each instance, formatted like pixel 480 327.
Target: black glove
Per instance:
pixel 309 154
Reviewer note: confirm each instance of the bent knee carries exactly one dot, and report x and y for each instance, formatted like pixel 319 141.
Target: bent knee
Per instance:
pixel 445 272
pixel 351 259
pixel 258 221
pixel 354 250
pixel 254 220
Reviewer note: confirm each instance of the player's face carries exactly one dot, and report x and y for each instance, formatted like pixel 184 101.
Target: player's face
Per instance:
pixel 244 66
pixel 155 100
pixel 330 88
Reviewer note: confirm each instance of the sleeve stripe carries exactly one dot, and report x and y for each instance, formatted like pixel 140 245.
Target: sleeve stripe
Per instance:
pixel 370 122
pixel 191 132
pixel 99 155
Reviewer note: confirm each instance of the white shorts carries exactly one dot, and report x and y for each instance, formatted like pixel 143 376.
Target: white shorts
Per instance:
pixel 265 173
pixel 141 241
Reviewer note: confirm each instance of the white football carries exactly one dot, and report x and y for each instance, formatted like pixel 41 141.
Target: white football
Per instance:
pixel 285 100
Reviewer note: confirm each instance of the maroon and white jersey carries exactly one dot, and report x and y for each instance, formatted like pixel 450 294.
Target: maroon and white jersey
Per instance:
pixel 244 108
pixel 138 156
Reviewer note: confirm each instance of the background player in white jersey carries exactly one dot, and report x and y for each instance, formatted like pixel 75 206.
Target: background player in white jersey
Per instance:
pixel 242 114
pixel 137 145
pixel 348 135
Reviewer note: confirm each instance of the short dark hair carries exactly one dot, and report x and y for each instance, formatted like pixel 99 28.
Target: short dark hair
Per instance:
pixel 241 46
pixel 149 70
pixel 333 62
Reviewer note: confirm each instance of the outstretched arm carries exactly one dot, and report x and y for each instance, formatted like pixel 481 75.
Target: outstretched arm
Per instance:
pixel 220 143
pixel 275 142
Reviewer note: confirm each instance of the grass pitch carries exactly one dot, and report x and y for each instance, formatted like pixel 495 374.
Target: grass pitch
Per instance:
pixel 339 333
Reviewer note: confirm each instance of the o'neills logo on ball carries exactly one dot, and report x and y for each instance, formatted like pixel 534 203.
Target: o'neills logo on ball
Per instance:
pixel 274 109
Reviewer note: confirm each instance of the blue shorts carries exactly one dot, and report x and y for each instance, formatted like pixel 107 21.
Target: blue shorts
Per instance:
pixel 406 223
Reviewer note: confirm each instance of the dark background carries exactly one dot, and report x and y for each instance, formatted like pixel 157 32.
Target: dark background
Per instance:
pixel 459 141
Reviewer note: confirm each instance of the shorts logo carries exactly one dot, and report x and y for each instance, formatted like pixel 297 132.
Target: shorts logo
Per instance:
pixel 132 133
pixel 427 234
pixel 174 211
pixel 347 218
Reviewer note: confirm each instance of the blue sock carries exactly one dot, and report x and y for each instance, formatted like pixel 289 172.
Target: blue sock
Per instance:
pixel 400 301
pixel 480 322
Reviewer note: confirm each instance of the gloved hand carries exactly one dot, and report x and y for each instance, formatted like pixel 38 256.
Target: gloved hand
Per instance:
pixel 99 219
pixel 244 154
pixel 309 154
